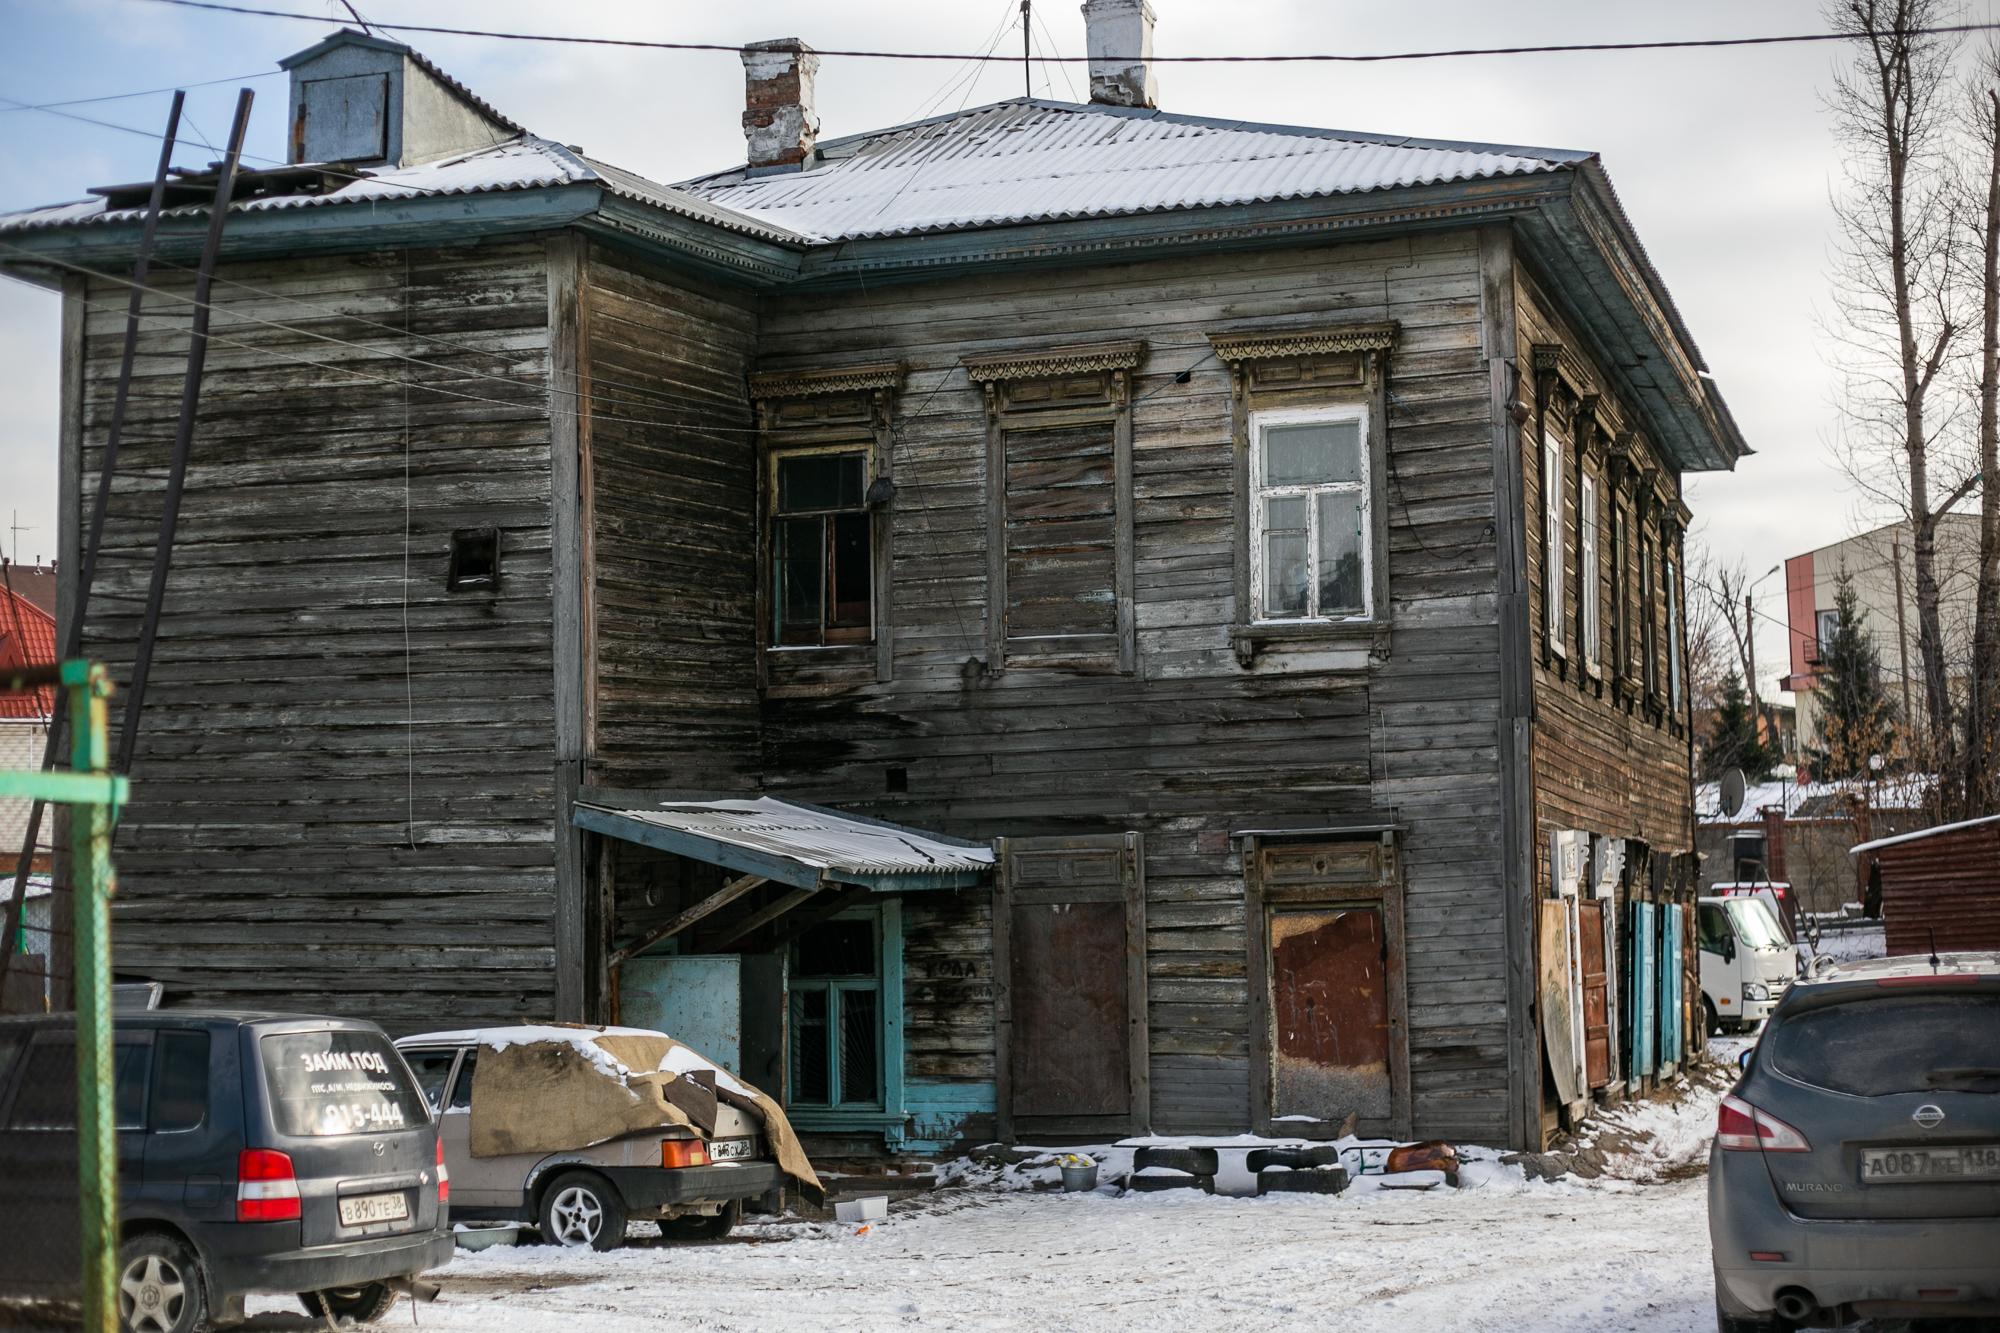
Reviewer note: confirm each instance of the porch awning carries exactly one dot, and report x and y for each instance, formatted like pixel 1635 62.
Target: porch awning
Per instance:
pixel 802 845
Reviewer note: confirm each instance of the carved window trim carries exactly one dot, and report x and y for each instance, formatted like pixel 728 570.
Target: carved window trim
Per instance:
pixel 1315 358
pixel 1011 385
pixel 863 422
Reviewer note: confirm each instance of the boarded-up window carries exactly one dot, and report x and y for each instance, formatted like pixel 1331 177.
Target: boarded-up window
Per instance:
pixel 1062 534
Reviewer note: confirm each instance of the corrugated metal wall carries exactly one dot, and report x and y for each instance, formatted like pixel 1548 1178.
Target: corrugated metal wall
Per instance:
pixel 1948 884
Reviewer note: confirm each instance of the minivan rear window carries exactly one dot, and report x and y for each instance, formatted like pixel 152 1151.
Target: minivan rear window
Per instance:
pixel 343 1081
pixel 1889 1043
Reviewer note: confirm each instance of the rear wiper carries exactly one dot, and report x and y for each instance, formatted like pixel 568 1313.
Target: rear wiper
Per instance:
pixel 1939 1078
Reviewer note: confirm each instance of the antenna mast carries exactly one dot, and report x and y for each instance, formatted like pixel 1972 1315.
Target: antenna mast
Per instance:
pixel 1027 70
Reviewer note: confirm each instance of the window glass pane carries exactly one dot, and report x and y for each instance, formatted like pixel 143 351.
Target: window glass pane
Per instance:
pixel 461 1087
pixel 180 1080
pixel 1710 930
pixel 131 1062
pixel 1341 561
pixel 853 571
pixel 1312 452
pixel 1892 1043
pixel 1285 556
pixel 432 1068
pixel 809 1067
pixel 859 1047
pixel 801 558
pixel 819 481
pixel 47 1095
pixel 337 1082
pixel 836 949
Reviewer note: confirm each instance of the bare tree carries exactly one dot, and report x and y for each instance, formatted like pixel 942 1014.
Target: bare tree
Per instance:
pixel 1982 716
pixel 1714 631
pixel 1900 323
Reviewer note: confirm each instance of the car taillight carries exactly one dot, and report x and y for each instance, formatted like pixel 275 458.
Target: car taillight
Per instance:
pixel 444 1176
pixel 1741 1127
pixel 267 1190
pixel 683 1152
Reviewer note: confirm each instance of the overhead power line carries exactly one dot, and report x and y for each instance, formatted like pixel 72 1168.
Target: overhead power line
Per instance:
pixel 1694 43
pixel 143 92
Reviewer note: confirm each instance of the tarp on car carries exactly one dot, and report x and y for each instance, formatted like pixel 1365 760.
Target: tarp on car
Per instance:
pixel 559 1087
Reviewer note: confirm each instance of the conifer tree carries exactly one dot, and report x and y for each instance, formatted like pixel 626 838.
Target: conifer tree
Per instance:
pixel 1734 742
pixel 1856 720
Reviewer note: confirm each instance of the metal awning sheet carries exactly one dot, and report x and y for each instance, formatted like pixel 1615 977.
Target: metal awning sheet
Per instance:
pixel 795 844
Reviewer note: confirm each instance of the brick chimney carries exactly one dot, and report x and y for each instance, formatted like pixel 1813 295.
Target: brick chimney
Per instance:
pixel 1118 36
pixel 1774 843
pixel 780 121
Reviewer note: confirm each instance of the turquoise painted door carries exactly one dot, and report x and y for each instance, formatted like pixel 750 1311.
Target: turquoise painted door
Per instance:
pixel 1670 984
pixel 697 1000
pixel 1640 1013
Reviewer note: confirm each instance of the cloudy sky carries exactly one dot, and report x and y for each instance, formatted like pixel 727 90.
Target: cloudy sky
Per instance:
pixel 1723 158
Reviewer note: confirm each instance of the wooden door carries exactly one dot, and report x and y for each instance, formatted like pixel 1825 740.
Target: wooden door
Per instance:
pixel 1330 1013
pixel 1069 957
pixel 1596 991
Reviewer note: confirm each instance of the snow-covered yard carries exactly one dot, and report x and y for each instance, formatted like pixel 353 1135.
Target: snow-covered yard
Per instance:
pixel 1626 1251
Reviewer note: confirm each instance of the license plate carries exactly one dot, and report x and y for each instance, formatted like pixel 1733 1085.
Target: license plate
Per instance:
pixel 362 1209
pixel 1889 1166
pixel 729 1150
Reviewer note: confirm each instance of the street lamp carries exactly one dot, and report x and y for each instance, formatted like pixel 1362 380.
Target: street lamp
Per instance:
pixel 1750 651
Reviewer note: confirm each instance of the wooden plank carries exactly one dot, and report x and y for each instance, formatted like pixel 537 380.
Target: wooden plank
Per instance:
pixel 765 915
pixel 715 902
pixel 569 442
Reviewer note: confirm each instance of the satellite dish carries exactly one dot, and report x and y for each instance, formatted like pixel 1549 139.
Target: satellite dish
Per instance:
pixel 1732 792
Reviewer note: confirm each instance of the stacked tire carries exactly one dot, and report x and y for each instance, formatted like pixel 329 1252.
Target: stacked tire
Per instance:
pixel 1297 1170
pixel 1156 1169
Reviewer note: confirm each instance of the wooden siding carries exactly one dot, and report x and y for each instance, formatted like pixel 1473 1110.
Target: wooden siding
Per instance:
pixel 343 789
pixel 1604 760
pixel 1193 745
pixel 671 485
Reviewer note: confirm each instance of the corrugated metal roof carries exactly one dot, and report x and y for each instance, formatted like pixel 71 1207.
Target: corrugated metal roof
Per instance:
pixel 27 638
pixel 1921 834
pixel 526 163
pixel 822 839
pixel 1031 160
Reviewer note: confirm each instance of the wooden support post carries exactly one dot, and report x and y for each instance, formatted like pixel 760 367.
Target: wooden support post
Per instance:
pixel 721 898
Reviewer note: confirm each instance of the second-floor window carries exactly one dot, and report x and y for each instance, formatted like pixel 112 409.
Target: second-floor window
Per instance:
pixel 1673 635
pixel 1311 540
pixel 1586 528
pixel 1552 542
pixel 822 548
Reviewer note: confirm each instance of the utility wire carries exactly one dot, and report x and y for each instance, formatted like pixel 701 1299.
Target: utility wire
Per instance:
pixel 143 92
pixel 1703 43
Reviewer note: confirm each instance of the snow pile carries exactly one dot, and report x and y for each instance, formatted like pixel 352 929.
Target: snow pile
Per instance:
pixel 1665 1137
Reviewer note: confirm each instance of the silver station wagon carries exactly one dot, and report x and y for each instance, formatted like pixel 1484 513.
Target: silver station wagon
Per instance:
pixel 692 1183
pixel 1856 1167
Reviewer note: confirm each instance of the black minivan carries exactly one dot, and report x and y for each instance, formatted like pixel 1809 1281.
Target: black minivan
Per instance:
pixel 256 1153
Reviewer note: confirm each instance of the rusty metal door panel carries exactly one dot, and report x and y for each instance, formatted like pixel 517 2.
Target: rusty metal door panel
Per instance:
pixel 1596 993
pixel 1330 1012
pixel 696 998
pixel 1069 1054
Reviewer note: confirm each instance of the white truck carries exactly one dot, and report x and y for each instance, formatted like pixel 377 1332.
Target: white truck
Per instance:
pixel 1747 962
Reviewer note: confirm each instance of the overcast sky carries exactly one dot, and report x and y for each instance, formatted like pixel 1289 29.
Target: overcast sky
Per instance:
pixel 1723 158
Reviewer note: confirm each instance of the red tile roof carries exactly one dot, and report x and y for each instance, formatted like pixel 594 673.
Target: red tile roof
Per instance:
pixel 27 638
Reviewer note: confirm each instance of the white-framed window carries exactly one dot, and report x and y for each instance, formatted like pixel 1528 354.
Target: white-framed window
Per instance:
pixel 1593 575
pixel 1552 542
pixel 1312 544
pixel 1673 634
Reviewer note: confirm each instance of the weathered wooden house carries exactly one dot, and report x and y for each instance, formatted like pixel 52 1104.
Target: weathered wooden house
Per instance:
pixel 1224 576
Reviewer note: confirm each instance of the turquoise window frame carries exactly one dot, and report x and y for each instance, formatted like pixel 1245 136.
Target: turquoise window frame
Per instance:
pixel 890 1117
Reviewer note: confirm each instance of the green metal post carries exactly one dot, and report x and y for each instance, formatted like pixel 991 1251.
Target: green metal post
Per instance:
pixel 92 884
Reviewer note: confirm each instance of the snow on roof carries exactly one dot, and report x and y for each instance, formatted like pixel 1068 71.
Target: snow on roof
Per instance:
pixel 678 1060
pixel 1904 792
pixel 819 838
pixel 525 163
pixel 1880 843
pixel 1031 160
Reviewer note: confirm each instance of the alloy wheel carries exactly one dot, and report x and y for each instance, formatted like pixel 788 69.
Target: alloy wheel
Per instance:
pixel 578 1216
pixel 152 1293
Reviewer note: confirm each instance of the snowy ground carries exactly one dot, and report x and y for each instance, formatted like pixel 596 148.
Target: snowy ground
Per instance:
pixel 1628 1251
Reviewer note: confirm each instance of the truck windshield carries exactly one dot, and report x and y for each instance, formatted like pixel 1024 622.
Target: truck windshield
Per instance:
pixel 1754 924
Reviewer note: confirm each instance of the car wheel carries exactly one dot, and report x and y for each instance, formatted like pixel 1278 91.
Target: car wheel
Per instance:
pixel 1711 1022
pixel 363 1304
pixel 160 1286
pixel 581 1210
pixel 705 1226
